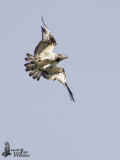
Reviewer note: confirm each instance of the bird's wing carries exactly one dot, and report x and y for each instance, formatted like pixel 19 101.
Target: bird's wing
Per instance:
pixel 46 45
pixel 60 76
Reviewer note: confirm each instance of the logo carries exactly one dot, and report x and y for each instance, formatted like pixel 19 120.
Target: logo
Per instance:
pixel 20 153
pixel 6 150
pixel 15 152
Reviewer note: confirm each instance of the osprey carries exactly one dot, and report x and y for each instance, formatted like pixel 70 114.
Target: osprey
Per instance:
pixel 44 62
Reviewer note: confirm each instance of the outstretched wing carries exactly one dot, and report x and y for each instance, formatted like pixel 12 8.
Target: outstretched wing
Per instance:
pixel 60 76
pixel 46 45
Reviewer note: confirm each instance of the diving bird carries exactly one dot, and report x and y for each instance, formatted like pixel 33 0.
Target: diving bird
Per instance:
pixel 44 61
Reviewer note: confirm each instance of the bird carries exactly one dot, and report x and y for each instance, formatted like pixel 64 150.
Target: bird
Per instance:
pixel 44 61
pixel 7 150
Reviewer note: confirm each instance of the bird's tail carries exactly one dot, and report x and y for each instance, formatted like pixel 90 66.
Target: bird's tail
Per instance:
pixel 70 93
pixel 30 58
pixel 31 66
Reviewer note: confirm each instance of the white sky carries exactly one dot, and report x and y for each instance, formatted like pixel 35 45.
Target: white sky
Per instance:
pixel 39 116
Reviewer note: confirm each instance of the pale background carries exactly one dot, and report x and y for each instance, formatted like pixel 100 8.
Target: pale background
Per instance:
pixel 39 116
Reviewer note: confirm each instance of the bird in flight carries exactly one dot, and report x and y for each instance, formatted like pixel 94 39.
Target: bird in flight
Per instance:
pixel 44 61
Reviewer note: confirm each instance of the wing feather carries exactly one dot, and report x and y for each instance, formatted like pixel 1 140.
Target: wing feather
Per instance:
pixel 47 43
pixel 61 77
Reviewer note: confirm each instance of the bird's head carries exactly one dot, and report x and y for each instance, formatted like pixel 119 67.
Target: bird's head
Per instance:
pixel 6 143
pixel 61 57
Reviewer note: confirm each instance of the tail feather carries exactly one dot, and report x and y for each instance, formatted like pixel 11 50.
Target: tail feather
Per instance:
pixel 70 93
pixel 36 74
pixel 33 72
pixel 30 58
pixel 30 66
pixel 39 75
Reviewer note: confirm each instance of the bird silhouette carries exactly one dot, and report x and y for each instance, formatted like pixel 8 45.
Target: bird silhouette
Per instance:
pixel 6 150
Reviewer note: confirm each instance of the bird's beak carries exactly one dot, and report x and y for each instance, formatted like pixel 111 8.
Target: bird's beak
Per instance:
pixel 66 57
